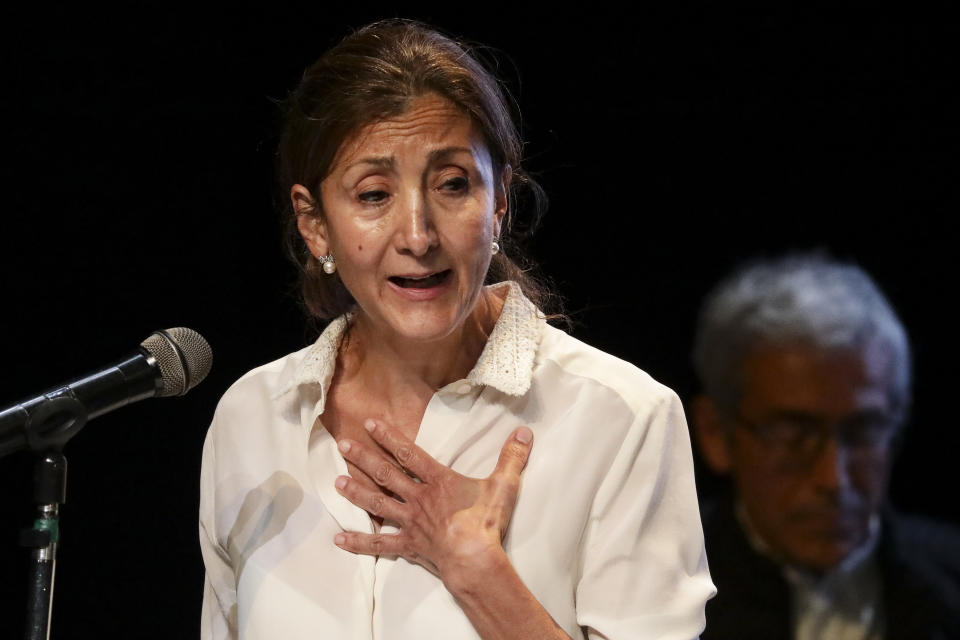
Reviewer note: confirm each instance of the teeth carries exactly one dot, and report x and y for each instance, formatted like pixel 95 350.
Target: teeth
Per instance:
pixel 422 282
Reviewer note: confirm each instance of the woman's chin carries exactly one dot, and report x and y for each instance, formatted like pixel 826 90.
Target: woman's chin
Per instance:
pixel 424 316
pixel 426 330
pixel 424 324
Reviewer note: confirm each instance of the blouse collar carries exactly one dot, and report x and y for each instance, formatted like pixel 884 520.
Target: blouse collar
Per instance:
pixel 505 364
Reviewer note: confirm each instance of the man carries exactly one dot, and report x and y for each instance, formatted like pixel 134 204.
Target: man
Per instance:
pixel 805 369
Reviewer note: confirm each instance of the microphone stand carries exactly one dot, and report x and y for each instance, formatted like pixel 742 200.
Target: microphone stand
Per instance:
pixel 49 492
pixel 46 431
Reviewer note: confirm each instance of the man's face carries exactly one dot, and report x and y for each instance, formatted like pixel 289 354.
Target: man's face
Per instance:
pixel 810 448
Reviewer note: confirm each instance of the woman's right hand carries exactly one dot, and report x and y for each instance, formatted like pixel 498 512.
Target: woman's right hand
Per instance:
pixel 449 523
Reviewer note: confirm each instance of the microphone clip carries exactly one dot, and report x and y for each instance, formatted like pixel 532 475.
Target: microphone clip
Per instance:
pixel 54 422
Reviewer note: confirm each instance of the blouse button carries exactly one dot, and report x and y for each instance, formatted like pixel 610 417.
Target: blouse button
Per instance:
pixel 464 387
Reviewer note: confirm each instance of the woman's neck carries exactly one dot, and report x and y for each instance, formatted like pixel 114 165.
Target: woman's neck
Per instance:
pixel 389 366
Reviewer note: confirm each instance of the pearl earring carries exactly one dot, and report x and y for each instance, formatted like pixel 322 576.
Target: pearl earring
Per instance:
pixel 328 263
pixel 495 248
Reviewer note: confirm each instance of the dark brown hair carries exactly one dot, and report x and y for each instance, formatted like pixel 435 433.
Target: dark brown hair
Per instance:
pixel 372 74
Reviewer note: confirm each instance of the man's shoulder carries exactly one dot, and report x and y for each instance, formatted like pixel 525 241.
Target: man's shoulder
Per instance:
pixel 753 598
pixel 729 552
pixel 923 544
pixel 920 562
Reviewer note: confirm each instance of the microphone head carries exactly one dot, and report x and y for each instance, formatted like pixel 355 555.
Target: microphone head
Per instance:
pixel 183 357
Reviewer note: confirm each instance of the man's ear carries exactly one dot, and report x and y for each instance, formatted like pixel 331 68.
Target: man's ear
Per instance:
pixel 711 435
pixel 309 222
pixel 502 199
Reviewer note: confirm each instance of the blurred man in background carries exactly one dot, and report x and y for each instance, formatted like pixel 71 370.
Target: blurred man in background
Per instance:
pixel 805 370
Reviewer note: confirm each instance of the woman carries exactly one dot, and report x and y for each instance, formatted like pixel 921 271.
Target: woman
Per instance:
pixel 369 486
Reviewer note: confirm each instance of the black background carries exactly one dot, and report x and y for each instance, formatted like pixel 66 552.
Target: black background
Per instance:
pixel 138 195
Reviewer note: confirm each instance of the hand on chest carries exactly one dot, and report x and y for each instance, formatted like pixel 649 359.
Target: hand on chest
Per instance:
pixel 343 418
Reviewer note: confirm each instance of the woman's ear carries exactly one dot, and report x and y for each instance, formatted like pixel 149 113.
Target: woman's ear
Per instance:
pixel 501 199
pixel 711 435
pixel 309 222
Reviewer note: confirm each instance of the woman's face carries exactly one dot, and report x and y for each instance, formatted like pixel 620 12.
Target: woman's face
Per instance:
pixel 409 213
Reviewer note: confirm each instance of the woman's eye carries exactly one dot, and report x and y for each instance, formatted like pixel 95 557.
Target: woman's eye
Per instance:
pixel 373 196
pixel 455 184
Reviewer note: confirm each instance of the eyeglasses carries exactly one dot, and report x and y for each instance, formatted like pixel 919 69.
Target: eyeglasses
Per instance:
pixel 799 439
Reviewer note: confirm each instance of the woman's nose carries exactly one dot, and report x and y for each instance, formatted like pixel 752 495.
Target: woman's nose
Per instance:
pixel 416 233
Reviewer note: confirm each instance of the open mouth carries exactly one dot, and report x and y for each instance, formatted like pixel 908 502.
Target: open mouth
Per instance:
pixel 425 282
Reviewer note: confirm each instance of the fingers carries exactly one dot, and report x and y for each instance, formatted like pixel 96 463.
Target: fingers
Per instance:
pixel 515 452
pixel 373 544
pixel 375 502
pixel 409 455
pixel 387 544
pixel 380 469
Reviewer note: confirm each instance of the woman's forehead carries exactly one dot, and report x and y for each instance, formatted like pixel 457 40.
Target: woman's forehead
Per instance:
pixel 429 121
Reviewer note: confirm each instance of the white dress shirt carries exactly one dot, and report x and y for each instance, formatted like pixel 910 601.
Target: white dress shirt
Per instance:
pixel 606 532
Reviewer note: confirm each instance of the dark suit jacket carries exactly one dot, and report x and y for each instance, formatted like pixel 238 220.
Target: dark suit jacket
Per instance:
pixel 919 561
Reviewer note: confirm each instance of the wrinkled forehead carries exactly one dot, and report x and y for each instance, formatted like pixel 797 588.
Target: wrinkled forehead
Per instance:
pixel 426 123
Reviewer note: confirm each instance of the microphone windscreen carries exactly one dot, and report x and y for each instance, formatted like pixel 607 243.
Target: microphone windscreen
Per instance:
pixel 183 357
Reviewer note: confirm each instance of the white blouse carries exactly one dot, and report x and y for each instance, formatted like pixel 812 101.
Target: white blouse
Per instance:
pixel 606 532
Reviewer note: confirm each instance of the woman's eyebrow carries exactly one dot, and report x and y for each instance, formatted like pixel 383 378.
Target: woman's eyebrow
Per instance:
pixel 438 155
pixel 387 162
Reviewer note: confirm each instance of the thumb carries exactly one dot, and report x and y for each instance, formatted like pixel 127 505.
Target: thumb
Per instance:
pixel 515 452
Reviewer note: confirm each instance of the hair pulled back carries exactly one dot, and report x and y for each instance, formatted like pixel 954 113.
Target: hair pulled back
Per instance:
pixel 373 74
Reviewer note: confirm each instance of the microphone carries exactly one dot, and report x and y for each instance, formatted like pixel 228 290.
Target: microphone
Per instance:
pixel 168 363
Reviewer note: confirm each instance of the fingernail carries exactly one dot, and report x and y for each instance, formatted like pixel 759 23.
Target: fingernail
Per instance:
pixel 341 482
pixel 524 435
pixel 369 425
pixel 339 539
pixel 344 446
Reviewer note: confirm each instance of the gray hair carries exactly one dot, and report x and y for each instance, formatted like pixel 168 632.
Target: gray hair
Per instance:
pixel 806 298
